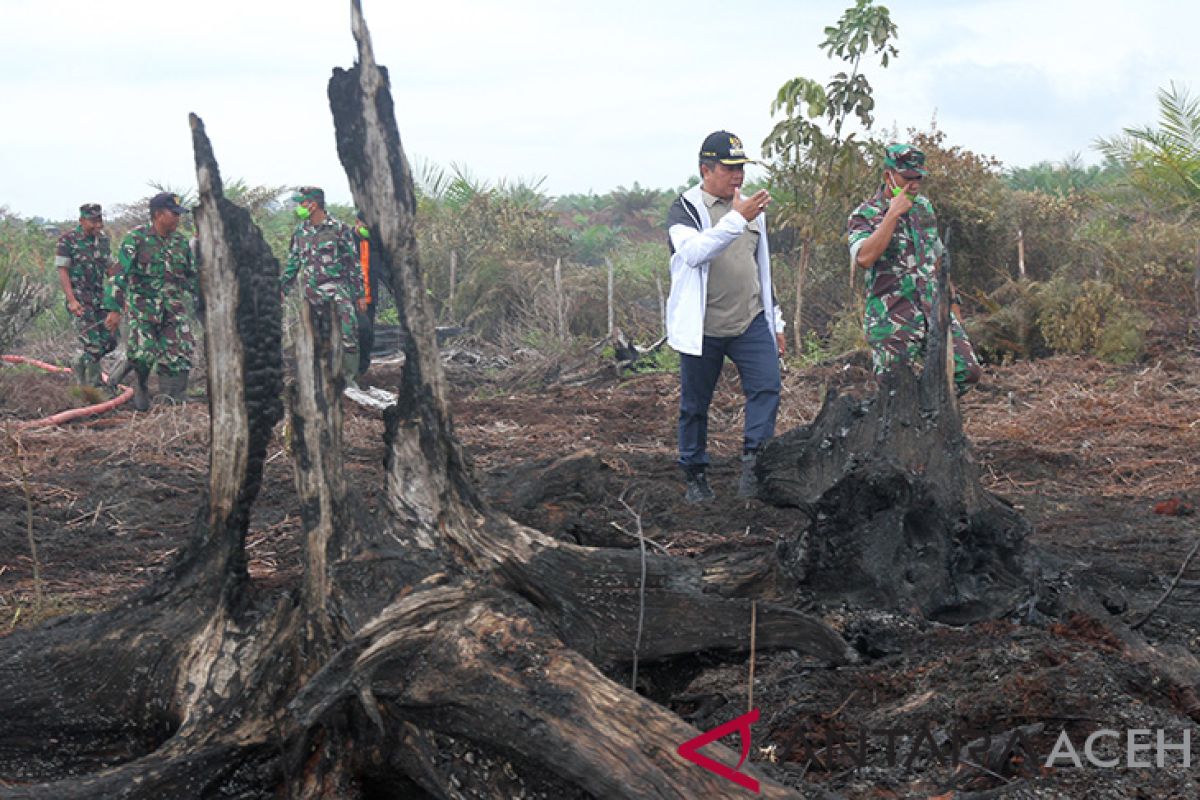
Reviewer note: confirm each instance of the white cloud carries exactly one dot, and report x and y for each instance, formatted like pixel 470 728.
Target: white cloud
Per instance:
pixel 588 96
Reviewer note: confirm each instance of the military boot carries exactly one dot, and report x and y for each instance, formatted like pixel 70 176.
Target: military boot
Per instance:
pixel 141 388
pixel 350 369
pixel 174 386
pixel 79 369
pixel 698 490
pixel 91 374
pixel 118 374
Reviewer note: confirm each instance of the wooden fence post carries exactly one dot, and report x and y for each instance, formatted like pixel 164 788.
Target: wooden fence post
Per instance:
pixel 662 304
pixel 559 300
pixel 1021 253
pixel 611 270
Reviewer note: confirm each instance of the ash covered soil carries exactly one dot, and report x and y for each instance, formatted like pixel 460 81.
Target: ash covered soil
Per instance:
pixel 1101 459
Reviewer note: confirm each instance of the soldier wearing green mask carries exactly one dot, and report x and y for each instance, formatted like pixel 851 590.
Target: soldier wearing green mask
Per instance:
pixel 154 279
pixel 893 237
pixel 323 256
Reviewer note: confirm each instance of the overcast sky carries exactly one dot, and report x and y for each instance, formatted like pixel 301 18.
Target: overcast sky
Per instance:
pixel 588 96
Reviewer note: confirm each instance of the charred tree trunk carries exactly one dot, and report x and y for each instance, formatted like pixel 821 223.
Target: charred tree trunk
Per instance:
pixel 140 698
pixel 445 619
pixel 898 516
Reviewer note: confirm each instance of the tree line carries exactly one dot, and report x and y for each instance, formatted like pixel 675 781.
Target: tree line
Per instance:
pixel 1053 257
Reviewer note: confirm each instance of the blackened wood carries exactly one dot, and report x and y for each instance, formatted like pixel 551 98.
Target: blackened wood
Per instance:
pixel 897 515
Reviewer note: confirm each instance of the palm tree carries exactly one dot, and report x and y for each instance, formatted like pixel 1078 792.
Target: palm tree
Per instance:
pixel 1164 162
pixel 638 211
pixel 1062 178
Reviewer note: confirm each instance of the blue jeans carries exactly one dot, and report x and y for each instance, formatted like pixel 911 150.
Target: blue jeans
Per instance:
pixel 756 356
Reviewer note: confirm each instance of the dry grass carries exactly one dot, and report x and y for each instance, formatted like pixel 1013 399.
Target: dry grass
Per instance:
pixel 1130 433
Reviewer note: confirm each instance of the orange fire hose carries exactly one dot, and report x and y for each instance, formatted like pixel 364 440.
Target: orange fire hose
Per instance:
pixel 73 413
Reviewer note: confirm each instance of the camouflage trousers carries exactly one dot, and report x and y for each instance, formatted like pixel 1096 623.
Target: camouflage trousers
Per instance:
pixel 95 340
pixel 347 319
pixel 159 334
pixel 894 341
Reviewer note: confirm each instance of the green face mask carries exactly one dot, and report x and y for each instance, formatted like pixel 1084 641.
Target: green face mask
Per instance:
pixel 363 232
pixel 302 212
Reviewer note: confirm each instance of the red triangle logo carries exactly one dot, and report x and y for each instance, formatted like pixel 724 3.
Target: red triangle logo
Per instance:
pixel 742 726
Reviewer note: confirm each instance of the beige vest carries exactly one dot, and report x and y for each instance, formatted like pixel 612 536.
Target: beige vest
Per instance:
pixel 734 292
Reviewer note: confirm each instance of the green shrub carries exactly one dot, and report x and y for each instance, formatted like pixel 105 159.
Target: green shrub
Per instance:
pixel 22 298
pixel 1070 315
pixel 846 332
pixel 665 359
pixel 28 280
pixel 1123 338
pixel 546 342
pixel 1008 327
pixel 813 349
pixel 1089 317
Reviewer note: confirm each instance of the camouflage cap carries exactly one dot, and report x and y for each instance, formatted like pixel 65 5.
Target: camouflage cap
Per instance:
pixel 309 193
pixel 904 158
pixel 91 211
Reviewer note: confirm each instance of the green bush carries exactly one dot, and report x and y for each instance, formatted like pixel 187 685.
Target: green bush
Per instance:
pixel 1123 338
pixel 547 342
pixel 846 332
pixel 1008 328
pixel 665 359
pixel 1070 315
pixel 1089 317
pixel 26 275
pixel 812 348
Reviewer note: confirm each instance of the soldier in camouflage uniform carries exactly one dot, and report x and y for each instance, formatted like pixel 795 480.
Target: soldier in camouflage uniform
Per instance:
pixel 152 283
pixel 894 238
pixel 82 257
pixel 323 255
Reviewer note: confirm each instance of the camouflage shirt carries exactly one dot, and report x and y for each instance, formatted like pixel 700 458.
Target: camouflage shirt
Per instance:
pixel 151 266
pixel 325 258
pixel 901 284
pixel 89 261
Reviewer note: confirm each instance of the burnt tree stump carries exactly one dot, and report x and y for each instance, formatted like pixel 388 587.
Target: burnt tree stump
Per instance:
pixel 897 516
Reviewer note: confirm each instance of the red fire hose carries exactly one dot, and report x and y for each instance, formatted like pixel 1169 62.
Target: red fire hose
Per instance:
pixel 73 413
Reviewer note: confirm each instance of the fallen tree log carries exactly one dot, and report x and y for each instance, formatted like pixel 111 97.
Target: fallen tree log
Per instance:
pixel 445 618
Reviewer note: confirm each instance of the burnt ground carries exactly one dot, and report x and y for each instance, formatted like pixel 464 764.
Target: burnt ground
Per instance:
pixel 1091 454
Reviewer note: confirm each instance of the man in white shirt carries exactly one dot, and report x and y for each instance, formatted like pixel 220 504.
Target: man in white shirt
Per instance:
pixel 722 305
